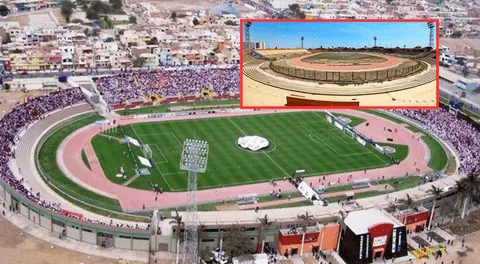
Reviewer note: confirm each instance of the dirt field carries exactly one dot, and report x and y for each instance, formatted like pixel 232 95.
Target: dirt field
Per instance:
pixel 191 5
pixel 465 226
pixel 9 98
pixel 18 247
pixel 457 45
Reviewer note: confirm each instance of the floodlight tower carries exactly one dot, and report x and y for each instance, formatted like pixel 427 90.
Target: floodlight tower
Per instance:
pixel 431 26
pixel 194 159
pixel 375 41
pixel 247 36
pixel 302 38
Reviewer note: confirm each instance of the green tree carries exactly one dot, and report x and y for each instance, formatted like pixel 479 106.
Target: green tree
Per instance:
pixel 236 242
pixel 6 86
pixel 101 7
pixel 116 4
pixel 91 14
pixel 408 202
pixel 152 41
pixel 66 8
pixel 173 16
pixel 456 34
pixel 265 223
pixel 436 193
pixel 465 71
pixel 132 19
pixel 469 188
pixel 195 21
pixel 139 62
pixel 230 23
pixel 4 11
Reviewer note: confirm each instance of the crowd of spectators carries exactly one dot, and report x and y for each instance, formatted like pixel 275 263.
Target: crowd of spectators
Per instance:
pixel 132 86
pixel 462 135
pixel 23 115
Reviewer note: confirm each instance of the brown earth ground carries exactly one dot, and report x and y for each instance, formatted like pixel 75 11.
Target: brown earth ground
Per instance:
pixel 191 5
pixel 19 248
pixel 457 45
pixel 9 98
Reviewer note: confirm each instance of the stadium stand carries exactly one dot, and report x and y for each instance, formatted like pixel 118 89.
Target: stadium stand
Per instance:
pixel 117 89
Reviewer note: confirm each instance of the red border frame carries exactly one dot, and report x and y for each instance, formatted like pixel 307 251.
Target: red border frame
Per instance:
pixel 437 45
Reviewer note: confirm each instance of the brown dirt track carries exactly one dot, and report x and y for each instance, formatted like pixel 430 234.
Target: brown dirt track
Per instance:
pixel 389 63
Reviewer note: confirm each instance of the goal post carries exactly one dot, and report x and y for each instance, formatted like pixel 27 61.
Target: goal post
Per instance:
pixel 147 151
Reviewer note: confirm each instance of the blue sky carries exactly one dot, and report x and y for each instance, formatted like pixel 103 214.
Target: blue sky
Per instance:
pixel 352 34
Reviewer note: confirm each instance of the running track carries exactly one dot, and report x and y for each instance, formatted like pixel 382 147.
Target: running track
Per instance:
pixel 391 62
pixel 133 199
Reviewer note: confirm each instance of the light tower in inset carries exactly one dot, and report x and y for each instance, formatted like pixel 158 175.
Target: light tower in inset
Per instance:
pixel 194 160
pixel 431 26
pixel 375 41
pixel 247 37
pixel 302 38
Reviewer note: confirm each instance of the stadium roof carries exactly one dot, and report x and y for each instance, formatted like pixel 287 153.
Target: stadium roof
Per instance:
pixel 222 9
pixel 360 221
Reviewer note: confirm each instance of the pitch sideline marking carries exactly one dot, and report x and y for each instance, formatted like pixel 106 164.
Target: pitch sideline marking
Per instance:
pixel 161 152
pixel 266 154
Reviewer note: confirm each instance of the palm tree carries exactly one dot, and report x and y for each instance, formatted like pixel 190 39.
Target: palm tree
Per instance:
pixel 264 225
pixel 177 221
pixel 306 219
pixel 469 189
pixel 408 202
pixel 436 193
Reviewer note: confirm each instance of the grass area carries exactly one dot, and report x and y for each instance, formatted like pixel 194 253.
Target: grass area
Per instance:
pixel 85 160
pixel 289 205
pixel 357 196
pixel 297 140
pixel 401 151
pixel 401 183
pixel 452 165
pixel 355 121
pixel 163 108
pixel 83 197
pixel 438 156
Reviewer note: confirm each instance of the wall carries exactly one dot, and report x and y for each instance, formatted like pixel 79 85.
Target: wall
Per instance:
pixel 402 70
pixel 326 237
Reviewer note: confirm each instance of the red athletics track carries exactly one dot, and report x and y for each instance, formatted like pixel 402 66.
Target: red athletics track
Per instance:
pixel 391 62
pixel 133 199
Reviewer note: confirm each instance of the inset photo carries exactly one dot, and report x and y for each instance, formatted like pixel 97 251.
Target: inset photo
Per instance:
pixel 339 64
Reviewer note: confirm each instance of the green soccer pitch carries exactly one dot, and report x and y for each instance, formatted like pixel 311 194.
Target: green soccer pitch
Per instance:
pixel 300 140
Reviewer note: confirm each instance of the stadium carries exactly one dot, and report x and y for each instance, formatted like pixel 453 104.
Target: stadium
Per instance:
pixel 103 163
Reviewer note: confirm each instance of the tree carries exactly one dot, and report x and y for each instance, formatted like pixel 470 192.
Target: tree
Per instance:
pixel 91 14
pixel 264 225
pixel 173 16
pixel 408 202
pixel 236 242
pixel 436 193
pixel 6 86
pixel 132 19
pixel 465 71
pixel 177 221
pixel 195 21
pixel 305 221
pixel 469 188
pixel 230 23
pixel 116 4
pixel 4 11
pixel 66 8
pixel 152 41
pixel 7 39
pixel 100 7
pixel 456 34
